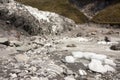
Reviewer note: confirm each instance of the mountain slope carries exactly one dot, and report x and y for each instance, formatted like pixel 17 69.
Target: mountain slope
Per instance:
pixel 62 7
pixel 110 15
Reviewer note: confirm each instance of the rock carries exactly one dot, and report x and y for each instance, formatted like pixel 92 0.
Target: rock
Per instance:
pixel 24 48
pixel 109 68
pixel 16 43
pixel 76 66
pixel 33 69
pixel 82 72
pixel 16 70
pixel 69 59
pixel 5 1
pixel 115 47
pixel 79 35
pixel 21 58
pixel 13 75
pixel 43 78
pixel 71 45
pixel 12 50
pixel 4 41
pixel 109 62
pixel 35 78
pixel 106 39
pixel 69 78
pixel 22 74
pixel 69 72
pixel 96 65
pixel 77 54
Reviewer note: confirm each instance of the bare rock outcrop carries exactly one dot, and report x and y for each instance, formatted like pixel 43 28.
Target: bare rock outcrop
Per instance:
pixel 27 18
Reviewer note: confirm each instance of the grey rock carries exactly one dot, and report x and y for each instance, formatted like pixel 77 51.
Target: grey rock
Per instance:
pixel 21 58
pixel 24 48
pixel 69 78
pixel 16 43
pixel 115 47
pixel 4 41
pixel 4 1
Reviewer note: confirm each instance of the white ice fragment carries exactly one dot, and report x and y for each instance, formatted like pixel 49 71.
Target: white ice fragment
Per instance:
pixel 96 65
pixel 99 57
pixel 106 43
pixel 69 59
pixel 77 54
pixel 13 75
pixel 82 72
pixel 40 15
pixel 102 42
pixel 81 39
pixel 109 68
pixel 88 55
pixel 109 62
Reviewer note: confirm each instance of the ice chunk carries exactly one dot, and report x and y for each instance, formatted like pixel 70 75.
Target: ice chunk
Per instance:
pixel 99 57
pixel 109 62
pixel 96 65
pixel 82 72
pixel 81 39
pixel 109 68
pixel 69 59
pixel 77 54
pixel 88 55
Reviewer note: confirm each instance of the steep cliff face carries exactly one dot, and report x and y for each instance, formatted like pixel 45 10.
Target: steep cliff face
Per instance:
pixel 32 20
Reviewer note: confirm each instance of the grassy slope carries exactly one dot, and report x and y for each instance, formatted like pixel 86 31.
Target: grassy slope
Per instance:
pixel 110 15
pixel 62 7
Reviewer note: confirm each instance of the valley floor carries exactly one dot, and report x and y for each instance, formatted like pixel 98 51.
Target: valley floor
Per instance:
pixel 59 57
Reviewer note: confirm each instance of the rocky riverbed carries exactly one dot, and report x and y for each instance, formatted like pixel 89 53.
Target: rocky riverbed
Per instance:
pixel 58 58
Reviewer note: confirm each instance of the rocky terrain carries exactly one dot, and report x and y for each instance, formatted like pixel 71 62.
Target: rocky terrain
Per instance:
pixel 41 45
